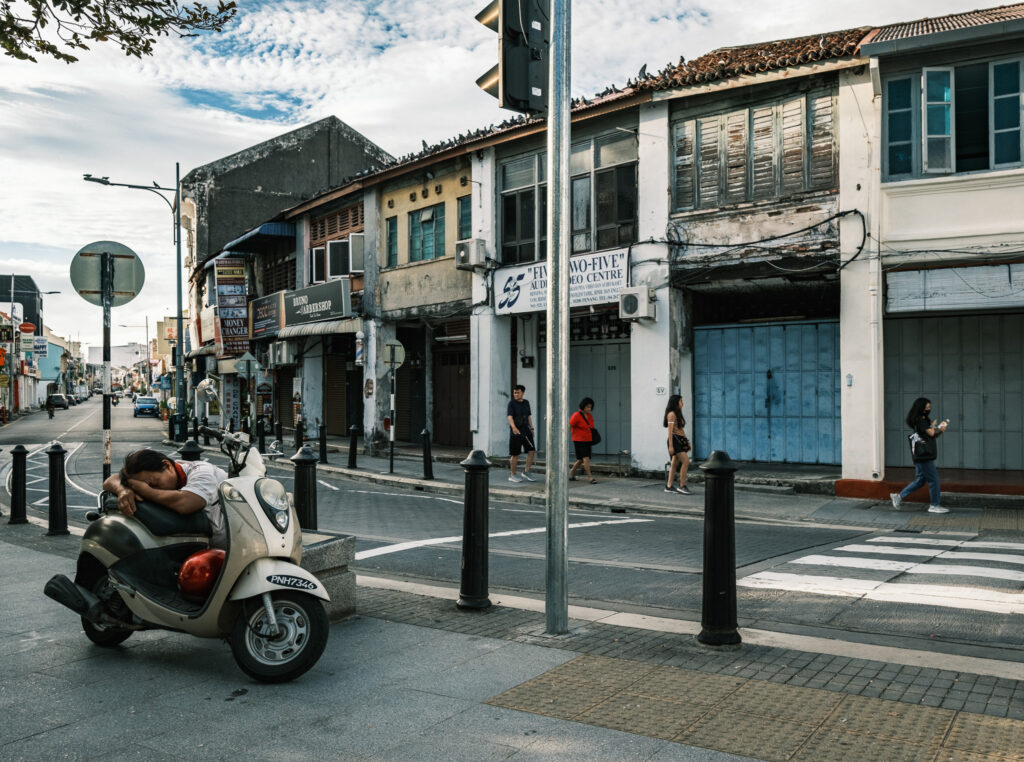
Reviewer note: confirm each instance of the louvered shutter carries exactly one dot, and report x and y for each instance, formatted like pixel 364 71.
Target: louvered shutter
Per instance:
pixel 793 152
pixel 763 160
pixel 709 162
pixel 821 120
pixel 684 166
pixel 736 153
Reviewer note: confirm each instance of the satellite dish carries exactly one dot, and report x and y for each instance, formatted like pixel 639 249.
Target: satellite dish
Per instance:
pixel 206 391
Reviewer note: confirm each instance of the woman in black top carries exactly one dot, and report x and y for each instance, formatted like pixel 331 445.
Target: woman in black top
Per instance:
pixel 925 450
pixel 678 444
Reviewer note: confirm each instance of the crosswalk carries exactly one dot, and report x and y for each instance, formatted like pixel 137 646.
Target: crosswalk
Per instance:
pixel 37 480
pixel 959 573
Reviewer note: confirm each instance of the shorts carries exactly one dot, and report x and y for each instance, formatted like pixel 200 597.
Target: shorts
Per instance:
pixel 680 444
pixel 582 449
pixel 518 443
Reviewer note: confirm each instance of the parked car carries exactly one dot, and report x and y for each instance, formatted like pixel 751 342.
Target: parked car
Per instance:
pixel 146 406
pixel 58 400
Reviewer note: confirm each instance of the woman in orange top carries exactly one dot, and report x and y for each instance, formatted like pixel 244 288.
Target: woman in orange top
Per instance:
pixel 581 423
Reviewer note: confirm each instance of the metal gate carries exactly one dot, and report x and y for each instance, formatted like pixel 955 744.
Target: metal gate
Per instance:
pixel 768 392
pixel 971 368
pixel 451 398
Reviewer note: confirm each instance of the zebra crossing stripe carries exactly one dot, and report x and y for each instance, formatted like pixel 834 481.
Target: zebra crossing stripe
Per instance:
pixel 911 567
pixel 893 550
pixel 880 564
pixel 917 541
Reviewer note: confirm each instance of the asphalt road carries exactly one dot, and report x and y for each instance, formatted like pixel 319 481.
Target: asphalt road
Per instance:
pixel 958 591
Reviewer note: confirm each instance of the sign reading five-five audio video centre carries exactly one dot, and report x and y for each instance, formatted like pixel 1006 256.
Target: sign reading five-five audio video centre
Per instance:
pixel 593 279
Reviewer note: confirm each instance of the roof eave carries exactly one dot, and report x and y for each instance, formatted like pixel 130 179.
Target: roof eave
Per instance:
pixel 943 39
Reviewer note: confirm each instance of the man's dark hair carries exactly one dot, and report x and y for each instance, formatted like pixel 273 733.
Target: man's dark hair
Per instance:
pixel 519 388
pixel 142 460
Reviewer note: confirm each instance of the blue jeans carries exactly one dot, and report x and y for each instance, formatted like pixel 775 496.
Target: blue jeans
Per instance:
pixel 924 471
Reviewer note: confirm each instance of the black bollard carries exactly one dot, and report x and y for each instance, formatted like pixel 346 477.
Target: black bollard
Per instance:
pixel 428 460
pixel 18 455
pixel 473 591
pixel 170 425
pixel 58 495
pixel 191 450
pixel 206 437
pixel 261 435
pixel 322 431
pixel 305 487
pixel 353 445
pixel 279 433
pixel 195 429
pixel 718 613
pixel 298 434
pixel 245 425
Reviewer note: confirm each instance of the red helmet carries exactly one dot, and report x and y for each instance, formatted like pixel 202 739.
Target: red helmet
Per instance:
pixel 200 571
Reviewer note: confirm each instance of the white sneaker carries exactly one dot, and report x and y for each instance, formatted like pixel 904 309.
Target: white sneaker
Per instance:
pixel 515 478
pixel 896 499
pixel 937 509
pixel 528 476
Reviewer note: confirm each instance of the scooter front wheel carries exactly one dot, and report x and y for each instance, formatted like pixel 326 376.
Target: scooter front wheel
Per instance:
pixel 302 628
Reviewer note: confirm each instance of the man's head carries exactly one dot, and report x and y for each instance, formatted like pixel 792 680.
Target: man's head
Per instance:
pixel 152 467
pixel 518 391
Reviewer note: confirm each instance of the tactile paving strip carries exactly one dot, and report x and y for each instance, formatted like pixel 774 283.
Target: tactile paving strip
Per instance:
pixel 747 735
pixel 832 746
pixel 994 736
pixel 684 685
pixel 555 696
pixel 783 702
pixel 647 716
pixel 895 720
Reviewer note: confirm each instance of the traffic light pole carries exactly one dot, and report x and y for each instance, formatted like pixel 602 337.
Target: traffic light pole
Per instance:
pixel 556 584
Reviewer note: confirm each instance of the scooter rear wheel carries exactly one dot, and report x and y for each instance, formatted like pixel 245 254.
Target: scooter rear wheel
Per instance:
pixel 104 636
pixel 302 635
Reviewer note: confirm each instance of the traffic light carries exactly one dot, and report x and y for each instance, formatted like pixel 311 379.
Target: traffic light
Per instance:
pixel 520 79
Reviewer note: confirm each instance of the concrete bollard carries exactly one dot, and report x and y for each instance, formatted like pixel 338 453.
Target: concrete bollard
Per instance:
pixel 261 435
pixel 305 487
pixel 58 494
pixel 191 451
pixel 18 456
pixel 428 460
pixel 473 589
pixel 353 445
pixel 322 431
pixel 718 611
pixel 206 437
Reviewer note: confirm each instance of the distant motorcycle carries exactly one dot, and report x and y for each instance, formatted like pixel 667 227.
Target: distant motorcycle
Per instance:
pixel 49 411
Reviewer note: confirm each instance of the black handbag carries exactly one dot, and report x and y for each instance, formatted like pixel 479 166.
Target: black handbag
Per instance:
pixel 595 436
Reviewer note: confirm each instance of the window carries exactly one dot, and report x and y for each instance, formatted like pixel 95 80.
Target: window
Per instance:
pixel 426 233
pixel 391 240
pixel 317 264
pixel 337 259
pixel 603 199
pixel 755 154
pixel 465 218
pixel 964 118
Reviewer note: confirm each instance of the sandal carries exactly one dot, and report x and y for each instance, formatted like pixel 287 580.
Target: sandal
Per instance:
pixel 593 481
pixel 572 478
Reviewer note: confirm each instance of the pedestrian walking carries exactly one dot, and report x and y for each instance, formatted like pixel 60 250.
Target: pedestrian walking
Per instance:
pixel 924 450
pixel 520 424
pixel 582 424
pixel 678 445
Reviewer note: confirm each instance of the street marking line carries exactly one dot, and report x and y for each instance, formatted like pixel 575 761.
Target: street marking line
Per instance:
pixel 968 571
pixel 892 550
pixel 856 563
pixel 406 494
pixel 329 486
pixel 911 567
pixel 917 541
pixel 398 547
pixel 809 583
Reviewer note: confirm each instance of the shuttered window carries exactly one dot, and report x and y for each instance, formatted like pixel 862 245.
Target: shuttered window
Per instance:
pixel 755 154
pixel 336 225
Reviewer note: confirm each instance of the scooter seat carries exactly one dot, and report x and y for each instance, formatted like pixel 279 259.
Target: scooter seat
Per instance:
pixel 164 522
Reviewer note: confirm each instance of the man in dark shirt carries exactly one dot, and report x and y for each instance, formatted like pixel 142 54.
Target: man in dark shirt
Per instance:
pixel 520 438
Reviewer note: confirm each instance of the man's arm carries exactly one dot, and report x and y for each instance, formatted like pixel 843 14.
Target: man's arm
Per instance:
pixel 178 500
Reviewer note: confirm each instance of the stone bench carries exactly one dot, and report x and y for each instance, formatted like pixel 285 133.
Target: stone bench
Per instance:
pixel 328 557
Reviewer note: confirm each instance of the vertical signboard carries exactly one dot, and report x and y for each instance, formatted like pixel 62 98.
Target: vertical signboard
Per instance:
pixel 232 308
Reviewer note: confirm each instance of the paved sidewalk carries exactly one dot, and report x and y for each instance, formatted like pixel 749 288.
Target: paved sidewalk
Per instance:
pixel 413 678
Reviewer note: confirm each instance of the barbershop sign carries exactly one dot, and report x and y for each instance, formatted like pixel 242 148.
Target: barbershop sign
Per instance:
pixel 593 279
pixel 327 301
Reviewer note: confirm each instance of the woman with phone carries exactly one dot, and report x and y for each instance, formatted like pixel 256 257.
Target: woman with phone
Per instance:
pixel 925 451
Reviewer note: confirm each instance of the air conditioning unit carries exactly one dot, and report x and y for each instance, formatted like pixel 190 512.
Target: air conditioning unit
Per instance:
pixel 470 254
pixel 637 303
pixel 282 353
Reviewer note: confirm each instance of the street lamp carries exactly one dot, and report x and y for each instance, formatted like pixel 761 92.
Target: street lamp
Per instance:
pixel 149 370
pixel 175 206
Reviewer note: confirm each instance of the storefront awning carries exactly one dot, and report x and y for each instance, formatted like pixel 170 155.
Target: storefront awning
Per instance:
pixel 209 349
pixel 324 327
pixel 258 240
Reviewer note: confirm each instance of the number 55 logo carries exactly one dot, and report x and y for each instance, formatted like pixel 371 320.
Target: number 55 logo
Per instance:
pixel 510 292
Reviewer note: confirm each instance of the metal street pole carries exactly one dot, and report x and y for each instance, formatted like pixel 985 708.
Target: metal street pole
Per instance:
pixel 10 357
pixel 556 584
pixel 180 368
pixel 107 297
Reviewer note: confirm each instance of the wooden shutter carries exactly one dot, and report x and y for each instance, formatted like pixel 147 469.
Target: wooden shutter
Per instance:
pixel 765 181
pixel 709 162
pixel 793 146
pixel 821 121
pixel 684 166
pixel 736 157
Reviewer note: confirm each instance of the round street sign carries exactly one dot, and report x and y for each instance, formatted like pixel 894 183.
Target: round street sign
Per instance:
pixel 27 328
pixel 394 354
pixel 86 273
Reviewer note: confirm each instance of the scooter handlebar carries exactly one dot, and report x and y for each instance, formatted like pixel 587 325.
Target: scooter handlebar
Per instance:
pixel 215 433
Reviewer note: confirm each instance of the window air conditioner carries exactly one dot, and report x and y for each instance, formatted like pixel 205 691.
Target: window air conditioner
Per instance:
pixel 470 254
pixel 637 303
pixel 282 353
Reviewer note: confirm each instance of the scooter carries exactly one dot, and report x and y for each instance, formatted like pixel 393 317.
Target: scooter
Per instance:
pixel 155 570
pixel 49 411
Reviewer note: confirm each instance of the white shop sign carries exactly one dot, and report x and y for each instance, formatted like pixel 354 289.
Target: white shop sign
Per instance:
pixel 955 288
pixel 593 279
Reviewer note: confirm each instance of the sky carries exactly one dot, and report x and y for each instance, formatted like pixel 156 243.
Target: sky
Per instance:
pixel 397 71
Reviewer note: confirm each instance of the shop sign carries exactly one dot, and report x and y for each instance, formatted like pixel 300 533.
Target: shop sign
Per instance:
pixel 28 341
pixel 326 301
pixel 40 346
pixel 232 309
pixel 266 316
pixel 593 279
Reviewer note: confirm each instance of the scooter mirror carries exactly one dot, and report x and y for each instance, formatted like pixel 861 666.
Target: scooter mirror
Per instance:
pixel 206 391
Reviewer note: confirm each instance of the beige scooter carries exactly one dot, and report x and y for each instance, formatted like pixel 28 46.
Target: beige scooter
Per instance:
pixel 155 570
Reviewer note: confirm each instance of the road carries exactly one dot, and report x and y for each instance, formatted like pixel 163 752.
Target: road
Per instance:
pixel 961 592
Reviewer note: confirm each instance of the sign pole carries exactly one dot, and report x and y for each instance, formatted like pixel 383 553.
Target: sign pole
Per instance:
pixel 107 295
pixel 391 462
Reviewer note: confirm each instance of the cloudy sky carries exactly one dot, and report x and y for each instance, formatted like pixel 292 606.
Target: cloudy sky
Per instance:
pixel 398 71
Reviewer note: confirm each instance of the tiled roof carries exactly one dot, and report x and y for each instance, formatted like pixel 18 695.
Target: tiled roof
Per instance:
pixel 950 22
pixel 725 63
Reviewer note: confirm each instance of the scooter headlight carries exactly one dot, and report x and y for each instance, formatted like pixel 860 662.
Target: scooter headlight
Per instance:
pixel 231 492
pixel 274 500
